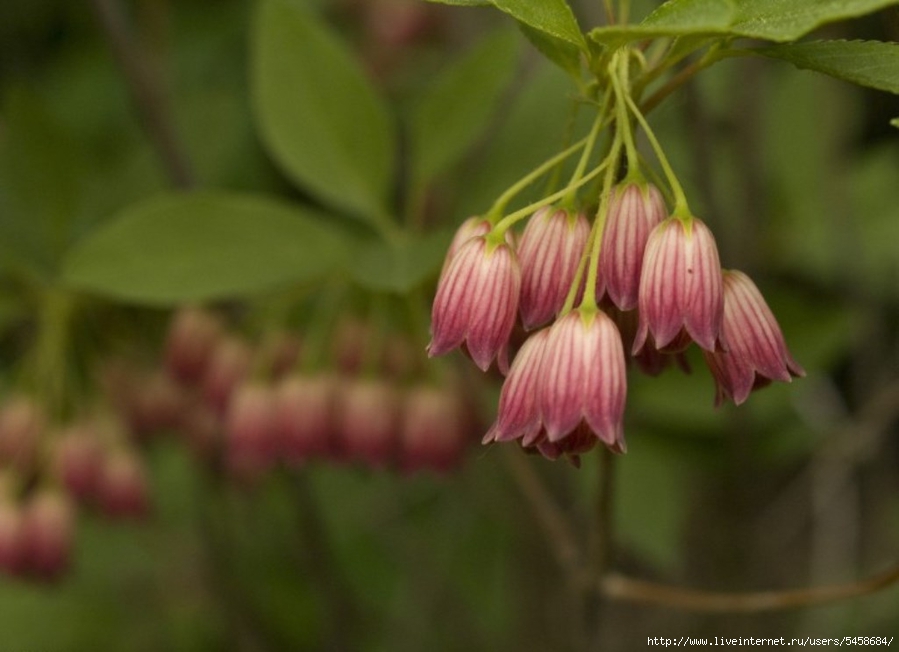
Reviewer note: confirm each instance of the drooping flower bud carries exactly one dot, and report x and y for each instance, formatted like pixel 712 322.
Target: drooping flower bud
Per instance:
pixel 584 378
pixel 12 536
pixel 203 429
pixel 634 211
pixel 22 423
pixel 122 490
pixel 77 460
pixel 49 533
pixel 250 431
pixel 229 366
pixel 518 416
pixel 367 420
pixel 757 353
pixel 193 334
pixel 476 302
pixel 305 416
pixel 433 430
pixel 680 288
pixel 549 252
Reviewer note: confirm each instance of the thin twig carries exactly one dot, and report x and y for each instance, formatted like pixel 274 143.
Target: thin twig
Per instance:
pixel 603 534
pixel 556 527
pixel 626 589
pixel 146 92
pixel 322 567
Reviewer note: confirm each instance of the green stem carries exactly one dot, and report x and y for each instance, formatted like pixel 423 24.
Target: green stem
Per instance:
pixel 499 206
pixel 499 231
pixel 610 12
pixel 589 300
pixel 624 10
pixel 714 55
pixel 576 283
pixel 619 83
pixel 321 327
pixel 50 372
pixel 681 209
pixel 569 200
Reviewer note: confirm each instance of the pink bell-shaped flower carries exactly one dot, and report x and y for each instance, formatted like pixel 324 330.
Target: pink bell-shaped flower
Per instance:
pixel 476 302
pixel 367 421
pixel 584 378
pixel 634 211
pixel 518 416
pixel 434 429
pixel 305 414
pixel 549 252
pixel 680 288
pixel 49 533
pixel 757 353
pixel 193 334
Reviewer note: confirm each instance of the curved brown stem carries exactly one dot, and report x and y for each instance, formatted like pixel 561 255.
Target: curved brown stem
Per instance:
pixel 626 589
pixel 146 92
pixel 556 527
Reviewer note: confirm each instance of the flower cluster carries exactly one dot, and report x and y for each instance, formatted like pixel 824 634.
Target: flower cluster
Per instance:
pixel 253 408
pixel 48 472
pixel 641 283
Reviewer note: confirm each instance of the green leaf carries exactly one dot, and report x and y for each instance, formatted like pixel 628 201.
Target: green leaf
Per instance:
pixel 787 20
pixel 465 3
pixel 562 53
pixel 773 20
pixel 554 17
pixel 454 111
pixel 318 115
pixel 402 265
pixel 867 63
pixel 200 246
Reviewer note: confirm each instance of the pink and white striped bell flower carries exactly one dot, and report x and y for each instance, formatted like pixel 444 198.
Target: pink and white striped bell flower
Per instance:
pixel 634 211
pixel 584 378
pixel 680 295
pixel 549 251
pixel 518 416
pixel 757 353
pixel 477 302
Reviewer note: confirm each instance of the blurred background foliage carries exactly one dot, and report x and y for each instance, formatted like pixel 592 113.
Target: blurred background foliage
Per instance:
pixel 796 174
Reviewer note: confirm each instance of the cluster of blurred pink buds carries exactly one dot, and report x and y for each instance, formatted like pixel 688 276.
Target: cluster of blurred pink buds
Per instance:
pixel 50 471
pixel 659 288
pixel 249 409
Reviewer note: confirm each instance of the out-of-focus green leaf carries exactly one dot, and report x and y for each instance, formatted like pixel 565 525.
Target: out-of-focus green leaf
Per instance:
pixel 772 20
pixel 177 248
pixel 457 107
pixel 562 53
pixel 866 63
pixel 39 183
pixel 895 122
pixel 465 3
pixel 554 17
pixel 399 266
pixel 808 227
pixel 318 115
pixel 874 197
